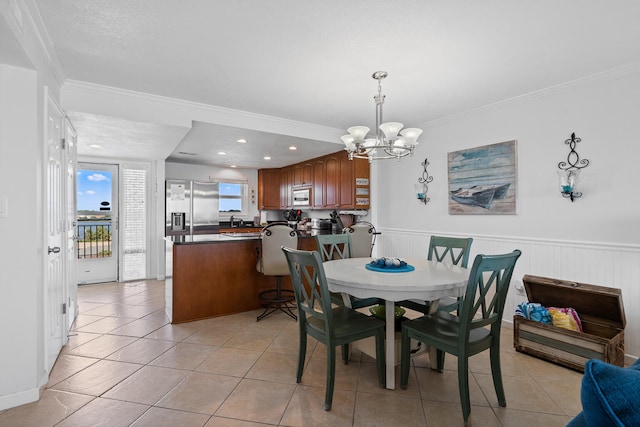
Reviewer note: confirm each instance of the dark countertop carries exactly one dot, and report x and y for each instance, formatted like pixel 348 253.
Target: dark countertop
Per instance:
pixel 231 237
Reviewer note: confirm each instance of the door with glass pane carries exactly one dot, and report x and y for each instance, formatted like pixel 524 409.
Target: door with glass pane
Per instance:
pixel 97 223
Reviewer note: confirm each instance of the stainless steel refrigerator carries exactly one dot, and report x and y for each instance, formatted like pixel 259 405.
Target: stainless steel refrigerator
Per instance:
pixel 191 207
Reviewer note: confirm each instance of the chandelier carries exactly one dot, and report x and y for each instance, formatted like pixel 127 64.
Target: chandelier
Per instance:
pixel 390 142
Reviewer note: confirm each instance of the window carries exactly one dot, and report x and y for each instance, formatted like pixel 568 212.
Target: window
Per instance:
pixel 233 198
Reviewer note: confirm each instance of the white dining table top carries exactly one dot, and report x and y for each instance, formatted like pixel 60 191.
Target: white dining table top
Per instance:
pixel 430 280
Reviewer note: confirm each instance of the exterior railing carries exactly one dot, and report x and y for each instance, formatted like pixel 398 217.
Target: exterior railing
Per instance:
pixel 94 241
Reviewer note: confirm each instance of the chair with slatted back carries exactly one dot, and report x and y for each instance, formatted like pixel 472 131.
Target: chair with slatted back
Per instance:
pixel 450 250
pixel 475 329
pixel 338 246
pixel 333 246
pixel 331 325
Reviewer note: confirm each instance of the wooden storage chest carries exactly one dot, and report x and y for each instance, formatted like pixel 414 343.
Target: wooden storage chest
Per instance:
pixel 603 321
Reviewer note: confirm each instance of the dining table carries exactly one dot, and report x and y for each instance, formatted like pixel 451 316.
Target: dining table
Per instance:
pixel 426 281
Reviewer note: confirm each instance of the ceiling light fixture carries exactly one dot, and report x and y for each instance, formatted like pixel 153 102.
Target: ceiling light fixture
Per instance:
pixel 222 153
pixel 387 144
pixel 242 141
pixel 293 148
pixel 267 158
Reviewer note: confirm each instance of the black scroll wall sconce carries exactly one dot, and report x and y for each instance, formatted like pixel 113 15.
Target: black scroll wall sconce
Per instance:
pixel 422 188
pixel 570 170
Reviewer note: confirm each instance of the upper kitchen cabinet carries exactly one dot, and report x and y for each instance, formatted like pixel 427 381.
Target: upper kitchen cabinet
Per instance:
pixel 318 184
pixel 335 182
pixel 332 181
pixel 346 182
pixel 360 193
pixel 269 189
pixel 286 187
pixel 303 174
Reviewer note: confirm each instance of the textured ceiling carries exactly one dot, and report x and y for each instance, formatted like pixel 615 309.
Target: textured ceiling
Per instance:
pixel 311 61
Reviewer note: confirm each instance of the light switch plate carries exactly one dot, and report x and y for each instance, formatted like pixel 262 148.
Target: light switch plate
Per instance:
pixel 4 207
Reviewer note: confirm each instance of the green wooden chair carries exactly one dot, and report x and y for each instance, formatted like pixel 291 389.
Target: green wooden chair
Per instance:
pixel 476 329
pixel 333 246
pixel 450 250
pixel 338 246
pixel 332 326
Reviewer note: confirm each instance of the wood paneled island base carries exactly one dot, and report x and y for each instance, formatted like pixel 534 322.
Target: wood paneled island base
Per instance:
pixel 216 278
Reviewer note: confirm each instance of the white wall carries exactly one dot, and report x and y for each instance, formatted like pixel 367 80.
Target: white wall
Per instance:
pixel 20 254
pixel 595 239
pixel 22 370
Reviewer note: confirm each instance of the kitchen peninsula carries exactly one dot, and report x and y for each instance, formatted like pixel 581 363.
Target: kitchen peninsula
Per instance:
pixel 213 275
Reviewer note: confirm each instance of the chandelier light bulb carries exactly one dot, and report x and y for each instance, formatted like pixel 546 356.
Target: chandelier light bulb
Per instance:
pixel 411 135
pixel 391 129
pixel 359 133
pixel 348 141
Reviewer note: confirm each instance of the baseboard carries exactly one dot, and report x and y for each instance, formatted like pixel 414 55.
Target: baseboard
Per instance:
pixel 21 398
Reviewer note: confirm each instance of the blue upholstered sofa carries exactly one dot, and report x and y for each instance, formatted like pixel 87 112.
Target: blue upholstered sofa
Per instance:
pixel 610 396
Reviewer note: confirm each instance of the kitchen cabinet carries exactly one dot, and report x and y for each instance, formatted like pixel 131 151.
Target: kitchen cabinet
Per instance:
pixel 303 174
pixel 269 189
pixel 335 181
pixel 318 184
pixel 340 182
pixel 286 187
pixel 347 181
pixel 353 184
pixel 332 182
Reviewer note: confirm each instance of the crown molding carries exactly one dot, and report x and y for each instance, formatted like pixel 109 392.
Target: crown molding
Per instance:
pixel 209 113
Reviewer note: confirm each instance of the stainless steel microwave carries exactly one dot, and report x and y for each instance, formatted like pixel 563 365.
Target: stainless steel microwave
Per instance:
pixel 302 197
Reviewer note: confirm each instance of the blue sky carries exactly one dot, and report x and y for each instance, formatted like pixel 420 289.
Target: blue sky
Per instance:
pixel 94 187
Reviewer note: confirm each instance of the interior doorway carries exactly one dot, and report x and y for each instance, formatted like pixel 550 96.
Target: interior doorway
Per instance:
pixel 97 223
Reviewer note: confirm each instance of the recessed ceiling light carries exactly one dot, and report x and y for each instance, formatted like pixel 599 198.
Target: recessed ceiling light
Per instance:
pixel 222 153
pixel 232 166
pixel 242 141
pixel 95 145
pixel 267 158
pixel 293 147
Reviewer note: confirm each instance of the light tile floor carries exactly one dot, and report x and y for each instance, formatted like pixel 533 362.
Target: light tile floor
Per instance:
pixel 126 365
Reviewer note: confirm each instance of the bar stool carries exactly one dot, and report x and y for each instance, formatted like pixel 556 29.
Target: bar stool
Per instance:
pixel 272 262
pixel 363 237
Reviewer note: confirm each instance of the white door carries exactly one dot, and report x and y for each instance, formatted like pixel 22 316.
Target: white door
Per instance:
pixel 55 292
pixel 71 149
pixel 97 223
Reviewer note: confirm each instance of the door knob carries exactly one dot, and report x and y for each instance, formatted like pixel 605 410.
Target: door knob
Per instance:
pixel 55 249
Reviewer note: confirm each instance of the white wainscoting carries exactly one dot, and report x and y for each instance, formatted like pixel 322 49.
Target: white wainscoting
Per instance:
pixel 616 266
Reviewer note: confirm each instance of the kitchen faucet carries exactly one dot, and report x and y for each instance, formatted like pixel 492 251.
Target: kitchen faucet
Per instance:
pixel 240 223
